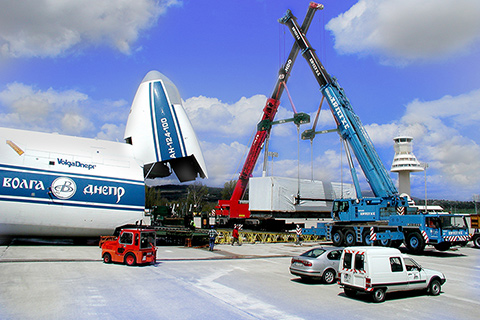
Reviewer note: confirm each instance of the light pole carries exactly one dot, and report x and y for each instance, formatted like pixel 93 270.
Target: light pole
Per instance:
pixel 425 166
pixel 476 198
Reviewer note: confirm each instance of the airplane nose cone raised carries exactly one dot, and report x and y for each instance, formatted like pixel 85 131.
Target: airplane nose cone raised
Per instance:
pixel 153 76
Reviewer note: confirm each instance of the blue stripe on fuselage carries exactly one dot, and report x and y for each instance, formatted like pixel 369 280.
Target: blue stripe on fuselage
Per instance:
pixel 165 128
pixel 26 184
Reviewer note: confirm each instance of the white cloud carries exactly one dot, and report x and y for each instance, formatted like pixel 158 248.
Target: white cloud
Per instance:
pixel 31 28
pixel 224 161
pixel 68 112
pixel 112 132
pixel 445 133
pixel 210 115
pixel 403 31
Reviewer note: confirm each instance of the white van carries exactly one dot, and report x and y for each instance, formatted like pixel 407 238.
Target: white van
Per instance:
pixel 377 270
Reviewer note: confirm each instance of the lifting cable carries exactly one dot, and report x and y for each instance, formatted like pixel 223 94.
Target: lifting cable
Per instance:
pixel 298 142
pixel 289 98
pixel 314 127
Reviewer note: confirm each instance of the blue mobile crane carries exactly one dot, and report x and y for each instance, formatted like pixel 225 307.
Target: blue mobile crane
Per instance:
pixel 388 218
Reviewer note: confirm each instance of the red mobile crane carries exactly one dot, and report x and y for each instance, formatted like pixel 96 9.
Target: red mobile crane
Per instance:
pixel 234 208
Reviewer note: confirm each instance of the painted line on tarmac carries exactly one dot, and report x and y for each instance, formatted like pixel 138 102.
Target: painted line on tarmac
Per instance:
pixel 47 260
pixel 234 257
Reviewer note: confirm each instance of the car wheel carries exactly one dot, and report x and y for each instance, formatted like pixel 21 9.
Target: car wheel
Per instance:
pixel 415 242
pixel 435 287
pixel 130 259
pixel 107 258
pixel 337 238
pixel 378 295
pixel 350 238
pixel 329 276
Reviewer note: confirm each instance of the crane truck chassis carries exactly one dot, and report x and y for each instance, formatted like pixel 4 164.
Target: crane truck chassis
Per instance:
pixel 387 218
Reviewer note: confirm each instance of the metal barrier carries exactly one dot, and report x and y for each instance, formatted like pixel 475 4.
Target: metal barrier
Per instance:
pixel 225 237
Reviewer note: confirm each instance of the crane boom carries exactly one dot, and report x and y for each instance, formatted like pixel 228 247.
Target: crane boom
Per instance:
pixel 232 207
pixel 388 219
pixel 349 124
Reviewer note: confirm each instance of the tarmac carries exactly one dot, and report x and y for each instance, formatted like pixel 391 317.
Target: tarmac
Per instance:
pixel 65 253
pixel 44 280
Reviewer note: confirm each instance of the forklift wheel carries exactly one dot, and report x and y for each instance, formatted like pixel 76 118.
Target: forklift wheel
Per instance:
pixel 130 259
pixel 107 258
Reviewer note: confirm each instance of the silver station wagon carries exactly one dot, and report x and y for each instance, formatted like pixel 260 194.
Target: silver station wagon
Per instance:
pixel 317 263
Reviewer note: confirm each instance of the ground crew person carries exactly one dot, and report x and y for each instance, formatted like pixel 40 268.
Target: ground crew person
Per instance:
pixel 235 236
pixel 212 234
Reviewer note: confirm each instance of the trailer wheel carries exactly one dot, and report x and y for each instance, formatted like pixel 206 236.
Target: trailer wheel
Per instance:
pixel 434 288
pixel 378 295
pixel 107 258
pixel 337 238
pixel 130 259
pixel 415 242
pixel 476 240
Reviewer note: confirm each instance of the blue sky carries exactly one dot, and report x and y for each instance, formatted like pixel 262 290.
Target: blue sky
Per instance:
pixel 408 68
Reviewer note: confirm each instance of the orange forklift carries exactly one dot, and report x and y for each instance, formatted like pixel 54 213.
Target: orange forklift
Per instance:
pixel 133 246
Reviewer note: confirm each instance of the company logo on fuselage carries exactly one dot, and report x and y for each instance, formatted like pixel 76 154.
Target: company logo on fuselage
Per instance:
pixel 76 164
pixel 17 183
pixel 63 188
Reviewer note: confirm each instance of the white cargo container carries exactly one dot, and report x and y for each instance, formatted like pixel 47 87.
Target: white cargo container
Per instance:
pixel 278 194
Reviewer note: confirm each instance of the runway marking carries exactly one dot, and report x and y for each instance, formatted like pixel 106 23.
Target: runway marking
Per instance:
pixel 450 296
pixel 242 301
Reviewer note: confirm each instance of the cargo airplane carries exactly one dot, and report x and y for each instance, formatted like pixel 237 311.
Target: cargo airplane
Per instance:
pixel 54 185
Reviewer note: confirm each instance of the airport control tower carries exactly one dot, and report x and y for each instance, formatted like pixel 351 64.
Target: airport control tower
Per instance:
pixel 404 162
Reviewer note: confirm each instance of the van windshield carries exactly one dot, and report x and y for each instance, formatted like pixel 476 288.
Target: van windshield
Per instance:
pixel 411 265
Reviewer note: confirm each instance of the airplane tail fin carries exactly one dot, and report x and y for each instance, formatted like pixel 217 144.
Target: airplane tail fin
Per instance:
pixel 160 132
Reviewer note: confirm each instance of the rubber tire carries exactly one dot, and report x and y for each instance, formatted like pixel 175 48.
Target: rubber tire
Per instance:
pixel 415 242
pixel 130 259
pixel 476 240
pixel 107 258
pixel 434 288
pixel 350 238
pixel 337 238
pixel 366 239
pixel 379 295
pixel 329 276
